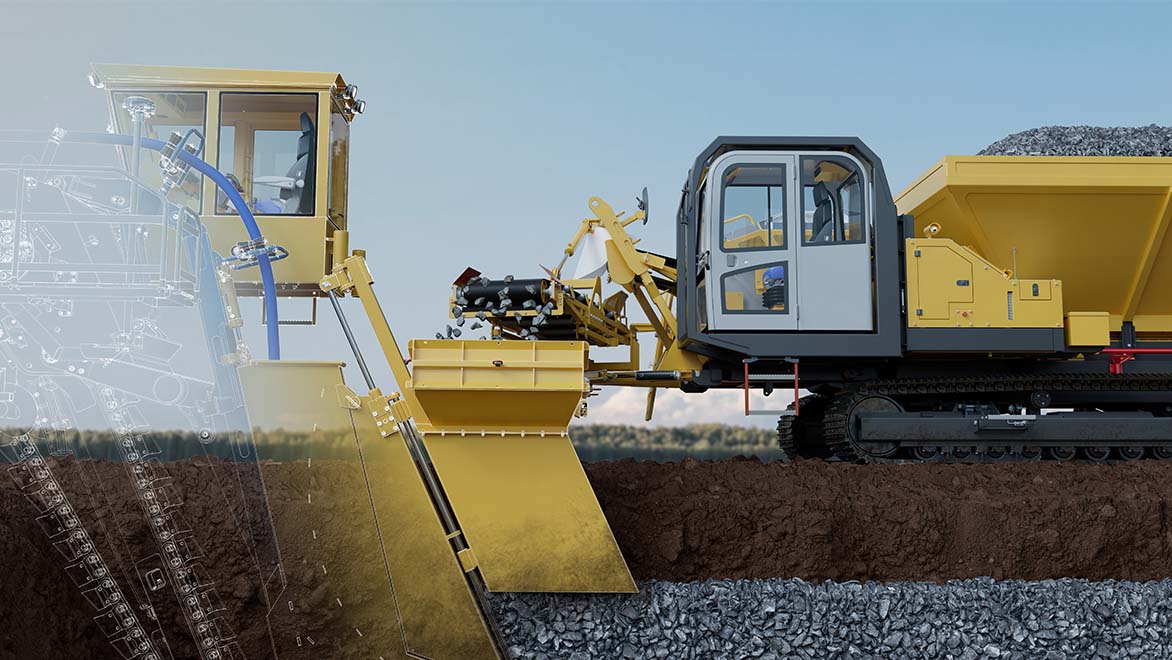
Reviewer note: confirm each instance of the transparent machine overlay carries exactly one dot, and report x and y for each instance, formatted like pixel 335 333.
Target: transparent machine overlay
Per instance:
pixel 185 528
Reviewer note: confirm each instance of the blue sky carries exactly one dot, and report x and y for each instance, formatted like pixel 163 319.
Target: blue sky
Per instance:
pixel 489 125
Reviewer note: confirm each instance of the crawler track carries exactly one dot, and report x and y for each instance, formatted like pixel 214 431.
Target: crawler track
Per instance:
pixel 800 436
pixel 833 430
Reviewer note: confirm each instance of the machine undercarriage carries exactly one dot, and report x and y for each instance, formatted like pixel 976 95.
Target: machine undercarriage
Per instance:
pixel 985 420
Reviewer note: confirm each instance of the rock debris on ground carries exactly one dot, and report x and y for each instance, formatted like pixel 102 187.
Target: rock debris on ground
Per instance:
pixel 791 618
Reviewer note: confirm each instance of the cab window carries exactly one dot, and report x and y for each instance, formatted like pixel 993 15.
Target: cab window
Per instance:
pixel 756 290
pixel 268 149
pixel 832 201
pixel 753 207
pixel 175 112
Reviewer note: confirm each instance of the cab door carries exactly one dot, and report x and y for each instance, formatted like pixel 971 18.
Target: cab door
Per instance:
pixel 752 233
pixel 834 273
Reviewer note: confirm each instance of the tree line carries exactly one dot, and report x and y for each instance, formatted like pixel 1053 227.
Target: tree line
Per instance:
pixel 593 441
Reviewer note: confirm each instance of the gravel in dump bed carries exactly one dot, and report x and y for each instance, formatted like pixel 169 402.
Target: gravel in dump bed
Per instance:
pixel 791 618
pixel 1152 140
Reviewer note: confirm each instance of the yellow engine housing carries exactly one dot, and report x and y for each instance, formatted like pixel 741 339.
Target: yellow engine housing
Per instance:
pixel 951 286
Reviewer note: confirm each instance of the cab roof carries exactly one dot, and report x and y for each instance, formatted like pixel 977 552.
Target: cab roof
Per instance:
pixel 143 76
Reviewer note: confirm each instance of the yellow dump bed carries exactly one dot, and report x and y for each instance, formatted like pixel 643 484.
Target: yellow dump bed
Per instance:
pixel 1099 224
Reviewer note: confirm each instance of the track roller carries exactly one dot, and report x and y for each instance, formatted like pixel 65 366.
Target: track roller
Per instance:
pixel 1096 454
pixel 925 453
pixel 1131 453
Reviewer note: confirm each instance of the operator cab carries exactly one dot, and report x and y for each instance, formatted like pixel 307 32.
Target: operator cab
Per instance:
pixel 282 138
pixel 785 242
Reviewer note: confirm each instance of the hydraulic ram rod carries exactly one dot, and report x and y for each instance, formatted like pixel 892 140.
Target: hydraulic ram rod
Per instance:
pixel 350 338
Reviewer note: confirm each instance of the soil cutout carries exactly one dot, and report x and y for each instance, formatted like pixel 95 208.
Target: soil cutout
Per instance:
pixel 328 602
pixel 741 518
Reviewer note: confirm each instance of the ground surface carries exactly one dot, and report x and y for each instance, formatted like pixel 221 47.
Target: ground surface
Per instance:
pixel 739 520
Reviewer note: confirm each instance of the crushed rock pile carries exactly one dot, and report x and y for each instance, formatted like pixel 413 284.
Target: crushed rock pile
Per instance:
pixel 790 618
pixel 1151 140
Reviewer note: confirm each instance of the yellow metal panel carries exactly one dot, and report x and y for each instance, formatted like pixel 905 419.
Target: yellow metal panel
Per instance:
pixel 529 513
pixel 495 386
pixel 943 277
pixel 1099 224
pixel 152 76
pixel 424 607
pixel 295 395
pixel 303 237
pixel 321 190
pixel 437 610
pixel 1154 276
pixel 1152 327
pixel 734 299
pixel 332 527
pixel 951 286
pixel 518 491
pixel 1088 329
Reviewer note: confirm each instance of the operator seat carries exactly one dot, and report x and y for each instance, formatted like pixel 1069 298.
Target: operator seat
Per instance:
pixel 823 224
pixel 299 198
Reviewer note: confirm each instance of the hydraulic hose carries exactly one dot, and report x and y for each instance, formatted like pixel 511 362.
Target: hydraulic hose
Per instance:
pixel 268 283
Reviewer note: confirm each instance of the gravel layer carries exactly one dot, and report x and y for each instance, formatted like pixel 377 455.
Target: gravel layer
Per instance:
pixel 1152 140
pixel 791 618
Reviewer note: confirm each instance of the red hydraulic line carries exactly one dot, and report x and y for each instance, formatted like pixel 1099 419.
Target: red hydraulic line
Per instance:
pixel 797 403
pixel 746 388
pixel 1119 356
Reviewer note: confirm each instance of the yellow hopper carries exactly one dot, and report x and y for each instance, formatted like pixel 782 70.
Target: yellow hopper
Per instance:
pixel 1098 224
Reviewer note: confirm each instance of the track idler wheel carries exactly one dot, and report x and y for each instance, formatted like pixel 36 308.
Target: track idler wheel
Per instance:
pixel 800 436
pixel 1163 452
pixel 1060 453
pixel 842 422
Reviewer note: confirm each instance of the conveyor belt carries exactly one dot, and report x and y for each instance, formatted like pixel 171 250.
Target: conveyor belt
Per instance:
pixel 488 295
pixel 539 309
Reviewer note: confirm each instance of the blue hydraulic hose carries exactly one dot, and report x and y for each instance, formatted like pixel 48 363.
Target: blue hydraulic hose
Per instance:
pixel 268 283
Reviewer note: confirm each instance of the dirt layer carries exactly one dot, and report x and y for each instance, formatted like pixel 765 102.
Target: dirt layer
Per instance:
pixel 678 522
pixel 741 518
pixel 330 598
